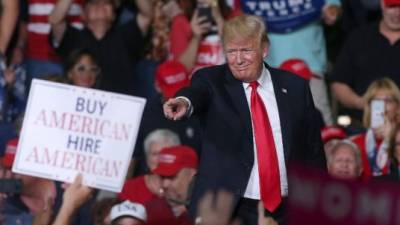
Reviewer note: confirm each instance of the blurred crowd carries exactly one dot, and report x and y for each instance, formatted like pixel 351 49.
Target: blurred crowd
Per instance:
pixel 349 54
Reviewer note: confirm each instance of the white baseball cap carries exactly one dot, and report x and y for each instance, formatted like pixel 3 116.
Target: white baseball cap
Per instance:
pixel 128 208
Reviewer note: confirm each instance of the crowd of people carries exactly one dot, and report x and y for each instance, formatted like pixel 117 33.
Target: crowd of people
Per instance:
pixel 235 92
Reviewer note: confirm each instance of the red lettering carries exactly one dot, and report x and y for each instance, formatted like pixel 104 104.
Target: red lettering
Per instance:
pixel 79 162
pixel 86 125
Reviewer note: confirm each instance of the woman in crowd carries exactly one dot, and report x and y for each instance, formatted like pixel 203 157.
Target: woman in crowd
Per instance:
pixel 374 142
pixel 82 69
pixel 194 37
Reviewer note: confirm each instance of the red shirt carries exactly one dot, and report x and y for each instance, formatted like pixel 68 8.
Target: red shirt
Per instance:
pixel 136 190
pixel 38 46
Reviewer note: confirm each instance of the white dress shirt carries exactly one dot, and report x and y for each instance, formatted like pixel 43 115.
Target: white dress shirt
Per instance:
pixel 266 92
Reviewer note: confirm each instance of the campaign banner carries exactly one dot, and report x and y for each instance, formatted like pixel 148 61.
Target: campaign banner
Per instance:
pixel 315 199
pixel 69 130
pixel 283 16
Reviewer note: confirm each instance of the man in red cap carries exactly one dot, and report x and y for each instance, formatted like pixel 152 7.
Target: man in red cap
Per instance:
pixel 370 53
pixel 177 166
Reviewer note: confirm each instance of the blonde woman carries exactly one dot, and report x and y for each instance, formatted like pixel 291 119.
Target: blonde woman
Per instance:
pixel 374 142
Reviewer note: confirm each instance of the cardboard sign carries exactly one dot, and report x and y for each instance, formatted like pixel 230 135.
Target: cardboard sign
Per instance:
pixel 69 130
pixel 315 199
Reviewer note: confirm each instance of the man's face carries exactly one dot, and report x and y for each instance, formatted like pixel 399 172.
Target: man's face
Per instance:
pixel 245 58
pixel 99 10
pixel 344 164
pixel 152 154
pixel 391 16
pixel 176 187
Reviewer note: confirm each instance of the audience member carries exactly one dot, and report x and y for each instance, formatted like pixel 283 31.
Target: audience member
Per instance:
pixel 101 209
pixel 33 41
pixel 358 13
pixel 147 187
pixel 194 37
pixel 74 196
pixel 8 20
pixel 344 160
pixel 117 48
pixel 177 166
pixel 128 213
pixel 12 77
pixel 369 53
pixel 331 135
pixel 35 195
pixel 82 69
pixel 374 142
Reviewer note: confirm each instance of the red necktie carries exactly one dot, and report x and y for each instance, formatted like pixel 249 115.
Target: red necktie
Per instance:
pixel 268 168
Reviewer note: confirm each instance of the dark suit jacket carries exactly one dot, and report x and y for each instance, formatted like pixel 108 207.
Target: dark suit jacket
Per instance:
pixel 227 142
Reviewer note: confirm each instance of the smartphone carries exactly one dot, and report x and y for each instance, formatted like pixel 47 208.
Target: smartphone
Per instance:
pixel 377 113
pixel 10 186
pixel 206 12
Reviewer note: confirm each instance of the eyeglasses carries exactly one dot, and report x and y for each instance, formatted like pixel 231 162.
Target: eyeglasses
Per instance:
pixel 87 69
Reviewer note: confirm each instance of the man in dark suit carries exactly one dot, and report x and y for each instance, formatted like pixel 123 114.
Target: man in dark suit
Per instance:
pixel 247 109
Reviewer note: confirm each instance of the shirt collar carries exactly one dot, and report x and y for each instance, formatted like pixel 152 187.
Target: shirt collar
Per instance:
pixel 263 79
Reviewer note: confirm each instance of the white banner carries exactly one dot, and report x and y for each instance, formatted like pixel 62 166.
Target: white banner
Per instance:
pixel 69 130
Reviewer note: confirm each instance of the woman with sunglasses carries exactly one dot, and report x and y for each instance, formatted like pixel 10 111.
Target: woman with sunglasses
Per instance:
pixel 82 69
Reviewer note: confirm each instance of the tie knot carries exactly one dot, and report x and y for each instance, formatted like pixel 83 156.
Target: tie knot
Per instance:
pixel 254 85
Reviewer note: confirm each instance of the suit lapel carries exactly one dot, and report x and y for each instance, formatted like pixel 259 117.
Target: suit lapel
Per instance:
pixel 238 97
pixel 282 100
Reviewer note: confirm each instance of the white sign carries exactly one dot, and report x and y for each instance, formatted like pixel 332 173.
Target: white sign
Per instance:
pixel 69 130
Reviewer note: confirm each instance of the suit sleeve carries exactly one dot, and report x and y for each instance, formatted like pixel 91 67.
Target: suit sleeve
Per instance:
pixel 315 155
pixel 199 93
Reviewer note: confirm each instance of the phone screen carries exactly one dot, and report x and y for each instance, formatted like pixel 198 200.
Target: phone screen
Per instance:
pixel 206 12
pixel 377 113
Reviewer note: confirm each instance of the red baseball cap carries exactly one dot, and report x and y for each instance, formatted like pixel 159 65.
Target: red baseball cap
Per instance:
pixel 172 159
pixel 9 155
pixel 298 67
pixel 332 132
pixel 392 2
pixel 170 77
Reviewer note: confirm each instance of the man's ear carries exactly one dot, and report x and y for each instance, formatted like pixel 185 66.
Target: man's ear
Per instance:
pixel 265 50
pixel 192 172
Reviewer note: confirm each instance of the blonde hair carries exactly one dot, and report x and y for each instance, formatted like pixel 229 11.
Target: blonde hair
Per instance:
pixel 378 85
pixel 245 27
